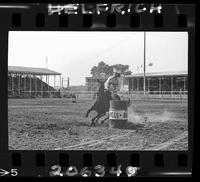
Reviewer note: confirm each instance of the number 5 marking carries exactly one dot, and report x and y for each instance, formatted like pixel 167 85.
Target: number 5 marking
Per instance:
pixel 13 172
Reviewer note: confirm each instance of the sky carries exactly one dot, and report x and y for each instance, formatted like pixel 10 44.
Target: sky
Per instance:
pixel 74 53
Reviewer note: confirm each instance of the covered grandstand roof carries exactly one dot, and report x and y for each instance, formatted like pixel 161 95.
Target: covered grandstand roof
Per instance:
pixel 30 70
pixel 154 74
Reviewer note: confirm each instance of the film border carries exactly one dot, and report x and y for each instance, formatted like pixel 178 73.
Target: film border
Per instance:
pixel 26 19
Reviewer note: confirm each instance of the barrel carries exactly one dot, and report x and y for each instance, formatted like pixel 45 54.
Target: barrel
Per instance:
pixel 118 114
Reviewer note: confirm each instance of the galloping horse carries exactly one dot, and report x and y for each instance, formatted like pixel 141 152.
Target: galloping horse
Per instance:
pixel 102 103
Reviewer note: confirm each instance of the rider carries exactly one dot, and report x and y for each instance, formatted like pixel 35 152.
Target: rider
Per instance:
pixel 111 85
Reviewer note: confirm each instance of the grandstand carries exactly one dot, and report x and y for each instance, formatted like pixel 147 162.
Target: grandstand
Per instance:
pixel 159 83
pixel 165 84
pixel 30 82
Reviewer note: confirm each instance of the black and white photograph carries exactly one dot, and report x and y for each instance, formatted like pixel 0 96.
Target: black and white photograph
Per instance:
pixel 98 90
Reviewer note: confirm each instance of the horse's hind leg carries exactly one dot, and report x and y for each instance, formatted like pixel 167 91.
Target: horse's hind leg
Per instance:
pixel 96 118
pixel 99 116
pixel 105 119
pixel 93 119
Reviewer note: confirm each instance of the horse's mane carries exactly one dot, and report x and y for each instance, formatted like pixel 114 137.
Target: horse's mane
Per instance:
pixel 101 88
pixel 101 95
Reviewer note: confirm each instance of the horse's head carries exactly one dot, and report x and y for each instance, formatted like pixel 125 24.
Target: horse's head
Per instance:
pixel 101 86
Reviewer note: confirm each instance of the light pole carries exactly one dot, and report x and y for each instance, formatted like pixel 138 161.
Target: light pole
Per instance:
pixel 144 80
pixel 46 61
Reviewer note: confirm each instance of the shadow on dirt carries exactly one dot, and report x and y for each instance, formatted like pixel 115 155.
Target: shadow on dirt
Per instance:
pixel 61 126
pixel 133 126
pixel 128 126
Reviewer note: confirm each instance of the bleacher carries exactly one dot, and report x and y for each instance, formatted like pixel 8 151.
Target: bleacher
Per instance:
pixel 35 91
pixel 26 82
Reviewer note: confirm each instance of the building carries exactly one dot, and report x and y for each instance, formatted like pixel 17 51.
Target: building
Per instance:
pixel 158 83
pixel 27 81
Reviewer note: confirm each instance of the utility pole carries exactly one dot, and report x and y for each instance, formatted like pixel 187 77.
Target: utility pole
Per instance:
pixel 144 83
pixel 68 82
pixel 46 61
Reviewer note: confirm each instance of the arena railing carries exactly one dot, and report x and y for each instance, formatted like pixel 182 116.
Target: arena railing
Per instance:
pixel 93 94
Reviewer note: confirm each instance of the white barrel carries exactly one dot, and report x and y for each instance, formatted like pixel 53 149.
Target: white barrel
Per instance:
pixel 118 114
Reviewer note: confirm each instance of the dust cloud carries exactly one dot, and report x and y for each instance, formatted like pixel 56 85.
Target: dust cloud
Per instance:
pixel 154 116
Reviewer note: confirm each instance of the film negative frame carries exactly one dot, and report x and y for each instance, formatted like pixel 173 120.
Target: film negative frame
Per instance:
pixel 36 17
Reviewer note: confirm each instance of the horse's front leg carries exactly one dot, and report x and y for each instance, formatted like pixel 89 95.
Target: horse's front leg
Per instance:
pixel 89 111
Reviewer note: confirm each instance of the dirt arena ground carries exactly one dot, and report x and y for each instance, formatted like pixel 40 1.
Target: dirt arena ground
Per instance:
pixel 58 124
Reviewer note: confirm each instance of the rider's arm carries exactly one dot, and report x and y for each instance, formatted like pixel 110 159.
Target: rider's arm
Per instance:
pixel 106 84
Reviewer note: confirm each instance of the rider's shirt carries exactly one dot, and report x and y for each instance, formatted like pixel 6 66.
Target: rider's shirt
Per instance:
pixel 111 84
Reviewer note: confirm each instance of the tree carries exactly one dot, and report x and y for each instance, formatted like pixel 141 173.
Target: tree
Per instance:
pixel 106 70
pixel 102 67
pixel 123 68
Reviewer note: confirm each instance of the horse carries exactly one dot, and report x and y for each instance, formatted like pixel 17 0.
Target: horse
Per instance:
pixel 102 103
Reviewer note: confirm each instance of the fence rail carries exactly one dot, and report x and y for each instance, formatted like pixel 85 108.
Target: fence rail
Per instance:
pixel 93 94
pixel 156 94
